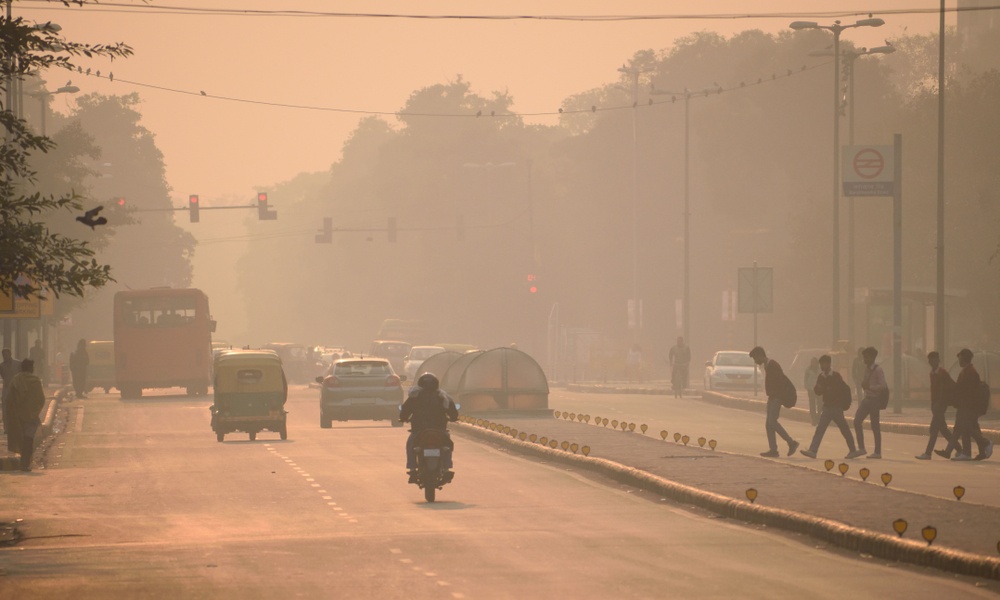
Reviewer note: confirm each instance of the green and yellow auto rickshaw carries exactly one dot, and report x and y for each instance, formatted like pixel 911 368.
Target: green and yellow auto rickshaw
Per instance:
pixel 101 370
pixel 250 393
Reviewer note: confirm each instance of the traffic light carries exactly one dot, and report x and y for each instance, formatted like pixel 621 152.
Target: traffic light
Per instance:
pixel 193 208
pixel 391 229
pixel 120 201
pixel 326 234
pixel 264 213
pixel 532 284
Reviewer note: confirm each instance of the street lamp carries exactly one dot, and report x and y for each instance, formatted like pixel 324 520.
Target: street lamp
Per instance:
pixel 851 56
pixel 43 99
pixel 636 313
pixel 836 29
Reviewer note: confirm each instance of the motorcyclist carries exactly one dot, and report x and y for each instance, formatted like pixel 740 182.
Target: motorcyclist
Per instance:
pixel 427 407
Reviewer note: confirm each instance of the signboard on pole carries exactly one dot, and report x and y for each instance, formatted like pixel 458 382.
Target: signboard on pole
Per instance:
pixel 868 170
pixel 756 293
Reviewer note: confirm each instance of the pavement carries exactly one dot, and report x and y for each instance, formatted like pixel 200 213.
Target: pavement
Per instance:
pixel 840 510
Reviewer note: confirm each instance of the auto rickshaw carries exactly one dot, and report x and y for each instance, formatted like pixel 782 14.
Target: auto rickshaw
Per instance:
pixel 101 370
pixel 250 390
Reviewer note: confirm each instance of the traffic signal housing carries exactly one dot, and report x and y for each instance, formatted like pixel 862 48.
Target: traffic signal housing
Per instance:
pixel 264 213
pixel 532 283
pixel 193 208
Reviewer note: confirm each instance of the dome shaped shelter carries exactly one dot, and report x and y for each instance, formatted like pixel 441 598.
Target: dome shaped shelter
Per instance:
pixel 437 364
pixel 451 378
pixel 499 379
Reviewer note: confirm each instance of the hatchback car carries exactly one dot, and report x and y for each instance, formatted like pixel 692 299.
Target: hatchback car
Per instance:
pixel 731 369
pixel 360 389
pixel 416 357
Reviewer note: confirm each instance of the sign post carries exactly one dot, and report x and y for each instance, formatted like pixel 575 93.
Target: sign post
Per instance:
pixel 756 295
pixel 878 171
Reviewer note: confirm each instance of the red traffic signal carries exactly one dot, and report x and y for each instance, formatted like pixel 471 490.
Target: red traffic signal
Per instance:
pixel 532 283
pixel 120 201
pixel 264 213
pixel 193 208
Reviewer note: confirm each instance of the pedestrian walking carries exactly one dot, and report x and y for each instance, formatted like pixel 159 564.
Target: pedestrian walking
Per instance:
pixel 780 392
pixel 876 398
pixel 858 373
pixel 942 388
pixel 37 354
pixel 968 396
pixel 836 396
pixel 79 362
pixel 27 398
pixel 8 369
pixel 809 380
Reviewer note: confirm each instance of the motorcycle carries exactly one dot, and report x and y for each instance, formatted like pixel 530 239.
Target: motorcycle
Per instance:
pixel 431 447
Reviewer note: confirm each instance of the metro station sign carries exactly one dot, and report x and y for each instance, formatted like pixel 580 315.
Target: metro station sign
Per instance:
pixel 868 170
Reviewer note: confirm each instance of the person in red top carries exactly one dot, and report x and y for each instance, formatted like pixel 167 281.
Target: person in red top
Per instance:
pixel 942 387
pixel 967 390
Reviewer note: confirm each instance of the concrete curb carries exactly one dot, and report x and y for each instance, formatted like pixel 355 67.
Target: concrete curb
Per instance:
pixel 834 532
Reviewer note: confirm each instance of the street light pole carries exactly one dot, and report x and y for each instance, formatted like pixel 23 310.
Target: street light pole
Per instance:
pixel 636 313
pixel 686 308
pixel 836 29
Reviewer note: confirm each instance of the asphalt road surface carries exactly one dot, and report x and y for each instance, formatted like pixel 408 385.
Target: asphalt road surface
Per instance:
pixel 139 500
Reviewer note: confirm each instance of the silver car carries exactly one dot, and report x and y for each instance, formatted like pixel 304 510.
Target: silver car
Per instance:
pixel 360 389
pixel 731 369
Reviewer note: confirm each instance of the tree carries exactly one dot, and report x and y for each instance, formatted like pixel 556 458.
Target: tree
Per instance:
pixel 49 261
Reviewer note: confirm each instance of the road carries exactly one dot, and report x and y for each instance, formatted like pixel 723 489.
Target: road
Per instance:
pixel 139 500
pixel 742 432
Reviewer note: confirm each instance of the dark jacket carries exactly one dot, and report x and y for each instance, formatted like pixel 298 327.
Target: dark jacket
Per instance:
pixel 967 388
pixel 826 386
pixel 774 379
pixel 428 410
pixel 942 389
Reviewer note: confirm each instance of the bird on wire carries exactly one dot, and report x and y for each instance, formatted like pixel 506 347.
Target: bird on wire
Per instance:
pixel 91 219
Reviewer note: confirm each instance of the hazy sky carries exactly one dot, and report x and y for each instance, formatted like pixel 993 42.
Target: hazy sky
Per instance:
pixel 216 147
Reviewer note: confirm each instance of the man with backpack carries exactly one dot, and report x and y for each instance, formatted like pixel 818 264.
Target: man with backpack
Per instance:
pixel 876 399
pixel 780 392
pixel 971 401
pixel 836 394
pixel 942 387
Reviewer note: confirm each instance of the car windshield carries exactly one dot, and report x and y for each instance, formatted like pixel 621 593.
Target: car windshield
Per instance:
pixel 424 353
pixel 394 350
pixel 733 359
pixel 361 368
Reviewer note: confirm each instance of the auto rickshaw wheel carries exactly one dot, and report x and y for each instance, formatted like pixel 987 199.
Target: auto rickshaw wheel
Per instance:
pixel 324 421
pixel 253 435
pixel 284 433
pixel 220 436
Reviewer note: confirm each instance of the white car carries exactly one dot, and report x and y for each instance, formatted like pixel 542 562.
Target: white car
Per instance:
pixel 416 357
pixel 731 369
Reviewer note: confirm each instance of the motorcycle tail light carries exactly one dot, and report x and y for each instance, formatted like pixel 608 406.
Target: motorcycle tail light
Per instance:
pixel 331 382
pixel 392 381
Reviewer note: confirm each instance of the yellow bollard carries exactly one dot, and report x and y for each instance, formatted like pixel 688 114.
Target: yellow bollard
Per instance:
pixel 701 442
pixel 864 473
pixel 959 492
pixel 663 434
pixel 843 468
pixel 899 526
pixel 929 533
pixel 828 464
pixel 712 444
pixel 752 495
pixel 886 478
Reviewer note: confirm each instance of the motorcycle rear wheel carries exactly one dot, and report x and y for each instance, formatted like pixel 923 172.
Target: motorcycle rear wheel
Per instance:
pixel 429 493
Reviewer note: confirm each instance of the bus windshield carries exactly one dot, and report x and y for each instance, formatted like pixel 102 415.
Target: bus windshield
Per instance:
pixel 159 311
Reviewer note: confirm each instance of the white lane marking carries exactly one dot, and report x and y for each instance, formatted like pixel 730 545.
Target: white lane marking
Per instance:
pixel 306 475
pixel 430 574
pixel 337 508
pixel 332 503
pixel 443 583
pixel 457 595
pixel 78 426
pixel 352 520
pixel 327 497
pixel 316 485
pixel 406 561
pixel 321 491
pixel 395 550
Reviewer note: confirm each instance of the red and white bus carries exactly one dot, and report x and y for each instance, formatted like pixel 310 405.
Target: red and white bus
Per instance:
pixel 163 339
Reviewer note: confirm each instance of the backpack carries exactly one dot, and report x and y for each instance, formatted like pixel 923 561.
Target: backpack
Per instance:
pixel 983 400
pixel 788 394
pixel 883 398
pixel 842 393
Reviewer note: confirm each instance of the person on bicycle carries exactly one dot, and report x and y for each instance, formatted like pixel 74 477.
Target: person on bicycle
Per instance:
pixel 427 407
pixel 680 363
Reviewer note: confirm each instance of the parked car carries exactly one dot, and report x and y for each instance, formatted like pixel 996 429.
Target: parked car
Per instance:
pixel 360 389
pixel 416 357
pixel 392 350
pixel 731 369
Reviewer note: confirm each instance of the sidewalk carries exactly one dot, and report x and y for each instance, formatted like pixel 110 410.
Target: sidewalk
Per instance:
pixel 841 510
pixel 913 420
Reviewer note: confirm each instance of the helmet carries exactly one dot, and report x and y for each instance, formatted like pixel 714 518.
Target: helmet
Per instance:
pixel 428 382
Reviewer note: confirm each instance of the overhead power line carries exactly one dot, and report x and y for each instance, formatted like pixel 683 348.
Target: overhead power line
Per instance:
pixel 117 7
